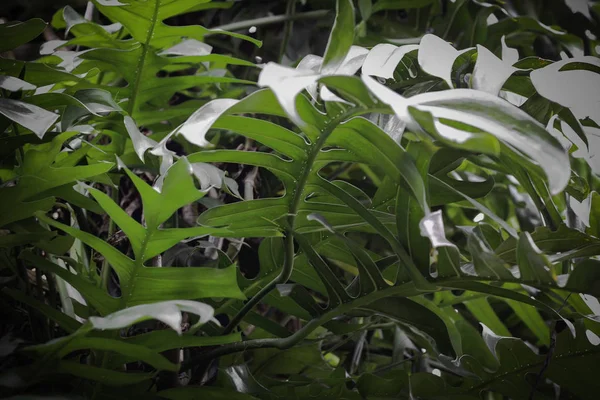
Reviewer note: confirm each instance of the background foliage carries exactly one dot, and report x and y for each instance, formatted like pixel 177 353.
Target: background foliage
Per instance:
pixel 300 199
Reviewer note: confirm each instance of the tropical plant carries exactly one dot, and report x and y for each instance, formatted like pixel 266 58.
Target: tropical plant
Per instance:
pixel 425 222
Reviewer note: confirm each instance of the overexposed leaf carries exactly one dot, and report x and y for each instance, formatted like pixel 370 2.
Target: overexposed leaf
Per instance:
pixel 580 6
pixel 582 209
pixel 112 28
pixel 168 312
pixel 310 62
pixel 398 103
pixel 490 72
pixel 491 20
pixel 432 227
pixel 13 84
pixel 50 46
pixel 513 98
pixel 575 89
pixel 352 62
pixel 32 117
pixel 508 123
pixel 111 3
pixel 383 59
pixel 593 158
pixel 197 125
pixel 188 47
pixel 509 55
pixel 141 143
pixel 564 141
pixel 208 175
pixel 436 57
pixel 286 83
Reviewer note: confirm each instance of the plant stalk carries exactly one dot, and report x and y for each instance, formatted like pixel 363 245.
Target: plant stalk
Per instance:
pixel 275 19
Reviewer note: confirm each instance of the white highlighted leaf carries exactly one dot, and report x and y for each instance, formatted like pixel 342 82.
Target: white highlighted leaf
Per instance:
pixel 167 312
pixel 436 57
pixel 188 47
pixel 13 84
pixel 490 72
pixel 141 143
pixel 576 89
pixel 50 46
pixel 582 209
pixel 509 55
pixel 197 125
pixel 580 6
pixel 383 59
pixel 286 83
pixel 432 227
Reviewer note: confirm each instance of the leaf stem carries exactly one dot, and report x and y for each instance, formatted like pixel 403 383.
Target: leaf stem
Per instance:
pixel 105 271
pixel 275 19
pixel 289 23
pixel 406 289
pixel 288 263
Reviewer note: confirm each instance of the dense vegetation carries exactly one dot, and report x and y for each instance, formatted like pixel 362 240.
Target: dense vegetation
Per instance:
pixel 315 200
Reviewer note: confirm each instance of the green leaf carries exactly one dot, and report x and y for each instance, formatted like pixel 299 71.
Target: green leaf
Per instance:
pixel 162 340
pixel 534 266
pixel 399 4
pixel 101 375
pixel 483 311
pixel 135 352
pixel 96 297
pixel 414 314
pixel 192 392
pixel 562 240
pixel 67 323
pixel 14 34
pixel 341 37
pixel 145 22
pixel 366 8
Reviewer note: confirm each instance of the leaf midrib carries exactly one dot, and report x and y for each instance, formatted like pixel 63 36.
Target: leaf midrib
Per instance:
pixel 142 59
